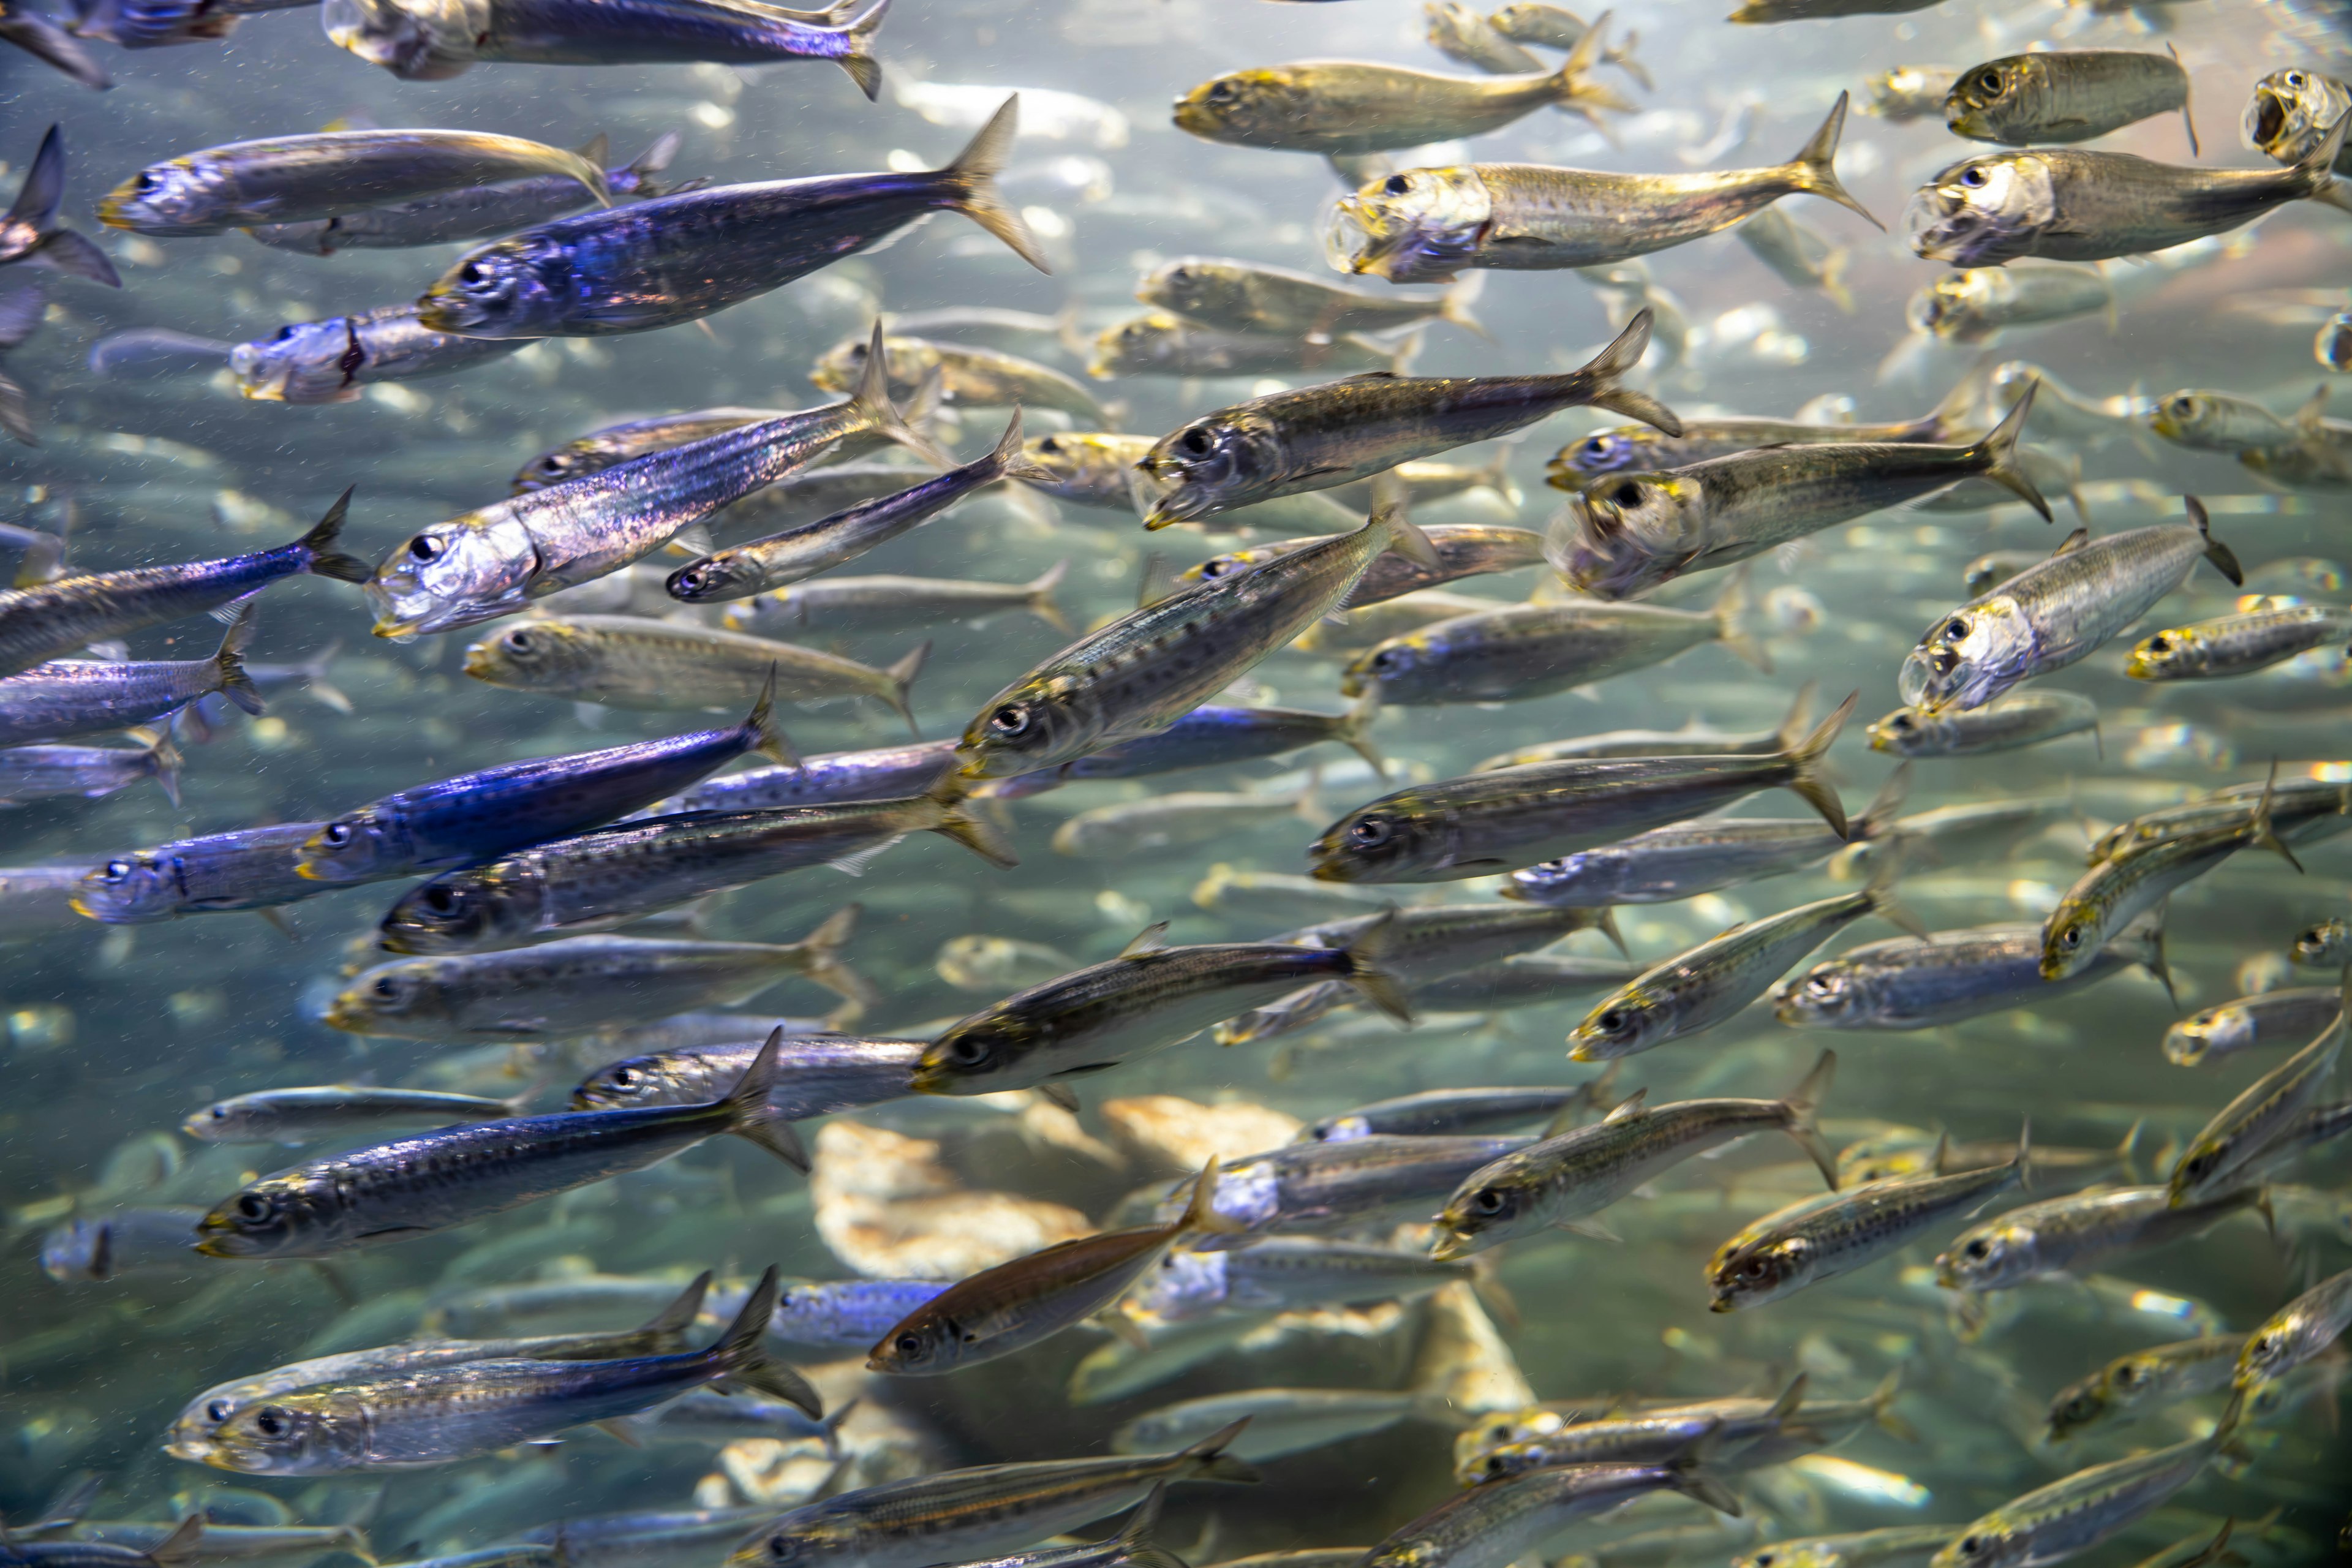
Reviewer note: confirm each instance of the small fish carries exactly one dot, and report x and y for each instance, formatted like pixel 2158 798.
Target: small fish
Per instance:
pixel 1464 550
pixel 2068 206
pixel 412 1187
pixel 66 698
pixel 2072 1515
pixel 2050 616
pixel 1426 225
pixel 577 986
pixel 2295 1333
pixel 679 257
pixel 1149 997
pixel 1693 740
pixel 52 44
pixel 2291 112
pixel 181 1543
pixel 290 179
pixel 896 603
pixel 1089 467
pixel 1947 977
pixel 2223 1154
pixel 246 869
pixel 1798 256
pixel 153 352
pixel 1304 1188
pixel 433 40
pixel 2066 95
pixel 1741 1431
pixel 1465 37
pixel 1905 93
pixel 233 1542
pixel 1161 344
pixel 1976 304
pixel 128 1241
pixel 677 1539
pixel 794 557
pixel 968 377
pixel 635 661
pixel 21 313
pixel 717 1419
pixel 617 443
pixel 2135 1384
pixel 1818 1240
pixel 2326 945
pixel 476 815
pixel 1447 1111
pixel 329 361
pixel 1209 736
pixel 28 774
pixel 2238 644
pixel 1490 822
pixel 29 229
pixel 70 612
pixel 2076 1233
pixel 1490 1526
pixel 332 1110
pixel 1284 1273
pixel 835 778
pixel 2217 421
pixel 2008 722
pixel 2272 1017
pixel 1564 1180
pixel 814 1076
pixel 1180 819
pixel 1281 1420
pixel 1529 980
pixel 1250 297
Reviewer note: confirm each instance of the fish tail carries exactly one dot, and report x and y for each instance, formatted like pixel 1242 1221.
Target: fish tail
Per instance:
pixel 1388 509
pixel 1798 725
pixel 184 1544
pixel 2023 1159
pixel 1458 300
pixel 43 192
pixel 674 1320
pixel 1729 610
pixel 1041 597
pixel 1688 1474
pixel 1135 1542
pixel 1801 1116
pixel 760 724
pixel 973 178
pixel 1998 452
pixel 1834 266
pixel 820 946
pixel 1354 729
pixel 1570 90
pixel 1005 462
pixel 652 161
pixel 1813 171
pixel 2314 170
pixel 981 837
pixel 163 757
pixel 901 677
pixel 589 171
pixel 1207 1460
pixel 1496 475
pixel 859 62
pixel 1377 985
pixel 228 662
pixel 326 561
pixel 1806 758
pixel 1882 1408
pixel 1885 806
pixel 740 1355
pixel 748 1114
pixel 2219 553
pixel 870 401
pixel 1200 1216
pixel 1619 359
pixel 1955 417
pixel 2260 831
pixel 1784 1409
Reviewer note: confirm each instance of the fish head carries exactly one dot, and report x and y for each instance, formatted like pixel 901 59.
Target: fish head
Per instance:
pixel 1968 657
pixel 1982 102
pixel 267 1218
pixel 416 40
pixel 2072 934
pixel 1823 998
pixel 302 361
pixel 128 889
pixel 231 1121
pixel 1384 664
pixel 389 991
pixel 1246 107
pixel 1620 538
pixel 2205 420
pixel 1417 226
pixel 2081 1404
pixel 181 196
pixel 1761 1271
pixel 1907 733
pixel 1951 306
pixel 499 291
pixel 2216 1030
pixel 975 1053
pixel 534 655
pixel 634 1080
pixel 471 568
pixel 282 1433
pixel 76 1250
pixel 1390 840
pixel 1983 211
pixel 1216 462
pixel 2170 653
pixel 355 848
pixel 1987 1257
pixel 1034 725
pixel 566 462
pixel 1991 1542
pixel 1234 561
pixel 1628 447
pixel 1619 1027
pixel 1199 287
pixel 711 580
pixel 1079 462
pixel 463 911
pixel 1137 346
pixel 2322 945
pixel 927 1342
pixel 2291 112
pixel 191 1436
pixel 2273 1349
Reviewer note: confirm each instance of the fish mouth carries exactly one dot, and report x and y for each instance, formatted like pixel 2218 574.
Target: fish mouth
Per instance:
pixel 111 211
pixel 2266 119
pixel 400 628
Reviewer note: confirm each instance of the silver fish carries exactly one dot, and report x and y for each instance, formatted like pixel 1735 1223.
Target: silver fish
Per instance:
pixel 329 361
pixel 66 698
pixel 43 772
pixel 2271 1018
pixel 2067 95
pixel 1932 982
pixel 246 869
pixel 332 1110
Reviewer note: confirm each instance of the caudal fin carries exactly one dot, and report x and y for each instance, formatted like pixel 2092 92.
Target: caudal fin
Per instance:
pixel 1041 597
pixel 228 662
pixel 37 203
pixel 1388 511
pixel 979 836
pixel 740 1355
pixel 760 726
pixel 1806 758
pixel 1571 92
pixel 184 1544
pixel 1354 727
pixel 871 402
pixel 1618 360
pixel 859 62
pixel 2314 170
pixel 1801 1111
pixel 1885 806
pixel 1815 169
pixel 164 758
pixel 972 179
pixel 1998 452
pixel 1730 613
pixel 1136 1546
pixel 1364 972
pixel 1207 1460
pixel 2216 552
pixel 902 675
pixel 326 561
pixel 1201 1216
pixel 749 1115
pixel 1458 301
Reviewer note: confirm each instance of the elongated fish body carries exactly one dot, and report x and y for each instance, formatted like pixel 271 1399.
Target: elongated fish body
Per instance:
pixel 2070 1516
pixel 2132 1385
pixel 66 698
pixel 127 1242
pixel 1564 1179
pixel 2116 891
pixel 329 361
pixel 1908 982
pixel 246 869
pixel 1246 297
pixel 679 257
pixel 635 661
pixel 1517 652
pixel 1743 1431
pixel 232 1542
pixel 577 986
pixel 2298 1331
pixel 1147 668
pixel 290 178
pixel 39 624
pixel 1429 943
pixel 1528 980
pixel 2008 722
pixel 2217 421
pixel 44 772
pixel 1319 437
pixel 2068 206
pixel 1680 860
pixel 1637 448
pixel 836 778
pixel 1976 304
pixel 889 602
pixel 1281 1420
pixel 1464 550
pixel 1088 467
pixel 2064 96
pixel 1490 822
pixel 476 816
pixel 617 443
pixel 306 1115
pixel 1281 1274
pixel 1209 736
pixel 967 376
pixel 1694 740
pixel 495 561
pixel 2075 1234
pixel 1819 1239
pixel 1896 1546
pixel 1304 1188
pixel 408 1186
pixel 2238 644
pixel 1491 1526
pixel 2270 1017
pixel 849 1313
pixel 816 1076
pixel 2050 616
pixel 431 40
pixel 2240 1135
pixel 1161 344
pixel 1440 1110
pixel 1425 225
pixel 1159 822
pixel 686 1538
pixel 961 1515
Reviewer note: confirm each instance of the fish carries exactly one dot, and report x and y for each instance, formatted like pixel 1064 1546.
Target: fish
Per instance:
pixel 29 229
pixel 232 1542
pixel 2296 1332
pixel 611 876
pixel 1427 225
pixel 2064 96
pixel 1820 1239
pixel 2290 113
pixel 1349 107
pixel 1948 976
pixel 329 361
pixel 1158 344
pixel 1798 256
pixel 1145 671
pixel 1743 1431
pixel 798 554
pixel 2223 1152
pixel 1976 304
pixel 1564 1180
pixel 499 559
pixel 2051 616
pixel 1634 532
pixel 1150 996
pixel 1281 1420
pixel 128 1241
pixel 637 662
pixel 1905 93
pixel 2217 421
pixel 1462 36
pixel 2237 645
pixel 2009 721
pixel 1088 467
pixel 1490 1526
pixel 1484 823
pixel 476 211
pixel 1447 1111
pixel 155 352
pixel 1276 302
pixel 180 1543
pixel 21 313
pixel 413 1186
pixel 577 984
pixel 43 623
pixel 292 179
pixel 1180 819
pixel 2135 1384
pixel 2075 1513
pixel 66 698
pixel 967 1513
pixel 2074 1233
pixel 1211 735
pixel 981 377
pixel 617 443
pixel 433 40
pixel 1464 550
pixel 2063 205
pixel 1319 437
pixel 679 257
pixel 814 1076
pixel 2291 1012
pixel 1307 1188
pixel 52 44
pixel 28 774
pixel 896 604
pixel 1284 1273
pixel 1693 740
pixel 331 1110
pixel 718 1419
pixel 480 815
pixel 835 778
pixel 255 869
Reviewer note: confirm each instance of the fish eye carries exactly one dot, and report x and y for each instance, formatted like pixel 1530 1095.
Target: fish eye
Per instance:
pixel 1599 446
pixel 1989 80
pixel 1901 722
pixel 2128 1374
pixel 1370 832
pixel 1980 1248
pixel 1970 1545
pixel 1627 494
pixel 622 1077
pixel 149 180
pixel 1975 177
pixel 219 1410
pixel 518 642
pixel 282 334
pixel 252 1205
pixel 1387 659
pixel 1756 1267
pixel 271 1421
pixel 1195 441
pixel 116 870
pixel 1496 1465
pixel 471 272
pixel 2159 645
pixel 1218 567
pixel 1612 1019
pixel 385 987
pixel 1049 445
pixel 1957 629
pixel 1397 184
pixel 968 1050
pixel 337 833
pixel 1487 1200
pixel 441 900
pixel 2071 938
pixel 425 547
pixel 1223 92
pixel 1011 720
pixel 907 1344
pixel 2293 78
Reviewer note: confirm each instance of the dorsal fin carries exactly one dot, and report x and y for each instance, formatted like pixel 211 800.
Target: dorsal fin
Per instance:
pixel 1628 1108
pixel 1150 939
pixel 2072 543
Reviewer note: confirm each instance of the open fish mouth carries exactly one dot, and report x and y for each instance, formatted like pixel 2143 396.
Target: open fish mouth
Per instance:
pixel 2266 118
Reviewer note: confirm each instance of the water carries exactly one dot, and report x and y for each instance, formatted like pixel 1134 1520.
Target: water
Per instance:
pixel 114 1034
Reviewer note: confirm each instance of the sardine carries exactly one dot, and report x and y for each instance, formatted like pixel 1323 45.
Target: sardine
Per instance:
pixel 889 602
pixel 1464 550
pixel 2135 1384
pixel 2238 644
pixel 329 361
pixel 2271 1018
pixel 2224 1152
pixel 66 698
pixel 968 377
pixel 816 1076
pixel 244 868
pixel 2066 95
pixel 2008 722
pixel 1249 297
pixel 2296 1332
pixel 2069 1516
pixel 29 229
pixel 1948 976
pixel 1976 304
pixel 28 774
pixel 2077 1234
pixel 332 1110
